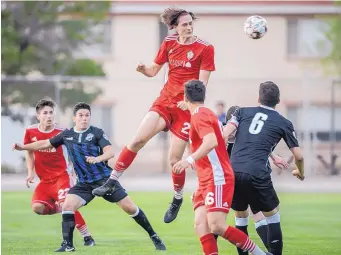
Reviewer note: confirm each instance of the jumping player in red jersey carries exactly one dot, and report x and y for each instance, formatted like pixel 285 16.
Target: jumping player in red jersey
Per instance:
pixel 188 57
pixel 50 166
pixel 213 198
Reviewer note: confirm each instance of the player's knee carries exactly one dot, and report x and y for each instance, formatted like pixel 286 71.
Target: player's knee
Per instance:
pixel 38 208
pixel 173 160
pixel 216 227
pixel 200 227
pixel 128 206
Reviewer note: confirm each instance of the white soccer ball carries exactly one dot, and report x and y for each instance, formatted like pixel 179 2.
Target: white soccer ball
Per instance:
pixel 255 27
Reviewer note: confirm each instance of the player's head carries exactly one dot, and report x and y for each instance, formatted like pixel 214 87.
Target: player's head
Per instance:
pixel 81 115
pixel 180 20
pixel 269 94
pixel 195 92
pixel 230 112
pixel 45 112
pixel 220 107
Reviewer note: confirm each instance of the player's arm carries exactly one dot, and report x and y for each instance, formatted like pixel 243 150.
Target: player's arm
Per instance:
pixel 207 64
pixel 30 167
pixel 279 161
pixel 209 142
pixel 39 145
pixel 229 131
pixel 149 71
pixel 292 143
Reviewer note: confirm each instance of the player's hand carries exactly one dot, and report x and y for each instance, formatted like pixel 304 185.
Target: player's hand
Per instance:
pixel 280 162
pixel 181 166
pixel 29 179
pixel 140 67
pixel 182 105
pixel 92 160
pixel 298 175
pixel 17 147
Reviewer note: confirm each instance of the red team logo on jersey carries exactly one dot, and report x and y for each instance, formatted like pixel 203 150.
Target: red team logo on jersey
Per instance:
pixel 185 62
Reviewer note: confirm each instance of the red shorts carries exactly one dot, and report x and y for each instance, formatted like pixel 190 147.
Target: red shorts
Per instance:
pixel 216 198
pixel 177 120
pixel 49 192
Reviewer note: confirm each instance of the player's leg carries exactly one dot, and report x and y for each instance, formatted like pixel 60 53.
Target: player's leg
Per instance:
pixel 42 202
pixel 151 124
pixel 240 204
pixel 218 199
pixel 78 196
pixel 261 226
pixel 268 203
pixel 207 239
pixel 122 199
pixel 179 140
pixel 63 185
pixel 176 151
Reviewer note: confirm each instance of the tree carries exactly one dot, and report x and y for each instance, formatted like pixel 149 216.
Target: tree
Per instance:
pixel 42 37
pixel 333 34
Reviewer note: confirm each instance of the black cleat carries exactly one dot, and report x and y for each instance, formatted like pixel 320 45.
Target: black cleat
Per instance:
pixel 66 247
pixel 159 245
pixel 173 210
pixel 89 241
pixel 107 188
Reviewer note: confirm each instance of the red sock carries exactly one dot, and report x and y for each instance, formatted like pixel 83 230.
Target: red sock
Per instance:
pixel 239 239
pixel 124 160
pixel 209 244
pixel 81 225
pixel 179 180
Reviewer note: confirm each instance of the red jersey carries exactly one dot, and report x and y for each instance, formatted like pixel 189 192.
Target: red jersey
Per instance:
pixel 49 163
pixel 214 168
pixel 184 62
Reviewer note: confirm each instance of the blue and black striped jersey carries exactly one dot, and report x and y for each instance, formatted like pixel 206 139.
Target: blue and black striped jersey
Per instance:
pixel 89 142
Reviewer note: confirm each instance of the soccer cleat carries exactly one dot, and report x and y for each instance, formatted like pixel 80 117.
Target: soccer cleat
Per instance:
pixel 173 210
pixel 89 241
pixel 159 245
pixel 66 247
pixel 107 188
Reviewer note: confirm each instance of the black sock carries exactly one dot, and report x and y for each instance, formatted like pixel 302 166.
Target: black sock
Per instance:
pixel 275 238
pixel 216 237
pixel 68 226
pixel 262 230
pixel 143 221
pixel 241 224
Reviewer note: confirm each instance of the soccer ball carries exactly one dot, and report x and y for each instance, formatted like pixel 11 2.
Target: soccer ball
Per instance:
pixel 255 27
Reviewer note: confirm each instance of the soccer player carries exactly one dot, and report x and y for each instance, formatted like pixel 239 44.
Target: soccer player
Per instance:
pixel 188 57
pixel 50 166
pixel 242 221
pixel 89 150
pixel 258 131
pixel 213 198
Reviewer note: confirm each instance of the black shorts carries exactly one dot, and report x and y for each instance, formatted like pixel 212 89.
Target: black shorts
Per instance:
pixel 84 191
pixel 258 193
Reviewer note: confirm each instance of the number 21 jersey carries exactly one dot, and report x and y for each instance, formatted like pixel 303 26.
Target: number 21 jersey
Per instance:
pixel 259 130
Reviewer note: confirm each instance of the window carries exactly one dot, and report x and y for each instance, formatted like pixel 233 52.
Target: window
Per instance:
pixel 306 38
pixel 99 44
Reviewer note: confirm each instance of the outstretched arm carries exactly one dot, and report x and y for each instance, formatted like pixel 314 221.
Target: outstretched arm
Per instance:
pixel 39 145
pixel 149 71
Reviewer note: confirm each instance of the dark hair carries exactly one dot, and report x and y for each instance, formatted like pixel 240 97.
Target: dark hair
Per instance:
pixel 80 106
pixel 269 94
pixel 44 102
pixel 230 112
pixel 170 16
pixel 220 103
pixel 195 91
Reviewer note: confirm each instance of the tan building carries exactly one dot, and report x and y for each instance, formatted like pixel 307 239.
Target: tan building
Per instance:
pixel 288 55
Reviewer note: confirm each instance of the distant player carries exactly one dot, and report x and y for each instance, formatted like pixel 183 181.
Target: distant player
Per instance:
pixel 259 130
pixel 241 220
pixel 213 198
pixel 188 57
pixel 50 166
pixel 89 150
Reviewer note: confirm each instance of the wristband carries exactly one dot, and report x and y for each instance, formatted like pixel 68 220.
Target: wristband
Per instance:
pixel 190 160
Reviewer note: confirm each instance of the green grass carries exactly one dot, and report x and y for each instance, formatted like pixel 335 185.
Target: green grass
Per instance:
pixel 311 225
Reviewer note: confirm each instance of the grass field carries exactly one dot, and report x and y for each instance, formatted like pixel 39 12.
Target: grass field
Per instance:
pixel 311 225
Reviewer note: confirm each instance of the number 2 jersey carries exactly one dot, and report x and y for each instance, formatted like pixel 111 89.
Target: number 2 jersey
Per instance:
pixel 259 130
pixel 50 163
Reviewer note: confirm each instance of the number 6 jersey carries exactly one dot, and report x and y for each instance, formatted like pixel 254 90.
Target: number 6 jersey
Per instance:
pixel 259 130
